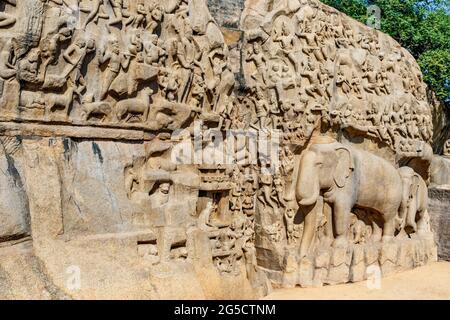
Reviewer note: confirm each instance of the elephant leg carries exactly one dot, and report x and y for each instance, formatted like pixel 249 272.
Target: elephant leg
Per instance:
pixel 422 223
pixel 403 216
pixel 309 230
pixel 341 224
pixel 388 229
pixel 328 212
pixel 412 211
pixel 377 232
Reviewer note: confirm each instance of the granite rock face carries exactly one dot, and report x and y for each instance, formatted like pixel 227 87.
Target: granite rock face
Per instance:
pixel 440 219
pixel 171 150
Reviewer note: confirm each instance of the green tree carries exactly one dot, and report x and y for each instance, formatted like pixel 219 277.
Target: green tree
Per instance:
pixel 421 26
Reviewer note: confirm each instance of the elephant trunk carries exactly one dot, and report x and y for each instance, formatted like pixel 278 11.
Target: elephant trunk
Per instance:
pixel 308 188
pixel 401 220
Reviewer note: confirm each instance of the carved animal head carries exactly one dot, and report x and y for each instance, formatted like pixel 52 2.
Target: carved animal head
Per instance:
pixel 324 167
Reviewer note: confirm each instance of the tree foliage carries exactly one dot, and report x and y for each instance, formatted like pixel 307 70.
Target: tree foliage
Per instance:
pixel 421 26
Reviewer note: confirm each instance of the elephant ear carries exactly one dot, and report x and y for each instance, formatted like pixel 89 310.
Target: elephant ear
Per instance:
pixel 344 166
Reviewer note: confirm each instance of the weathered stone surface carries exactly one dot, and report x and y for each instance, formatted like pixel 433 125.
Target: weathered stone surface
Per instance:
pixel 14 207
pixel 227 13
pixel 440 219
pixel 164 150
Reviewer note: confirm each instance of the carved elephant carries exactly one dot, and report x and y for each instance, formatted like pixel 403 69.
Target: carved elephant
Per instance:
pixel 346 177
pixel 415 201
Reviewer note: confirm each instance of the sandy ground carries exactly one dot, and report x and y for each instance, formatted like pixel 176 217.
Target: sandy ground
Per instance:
pixel 428 283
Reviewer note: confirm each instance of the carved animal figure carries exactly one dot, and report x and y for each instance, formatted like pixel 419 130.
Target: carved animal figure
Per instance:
pixel 90 108
pixel 346 177
pixel 415 201
pixel 55 101
pixel 138 105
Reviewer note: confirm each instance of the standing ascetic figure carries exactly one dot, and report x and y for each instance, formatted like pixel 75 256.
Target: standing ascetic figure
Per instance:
pixel 345 177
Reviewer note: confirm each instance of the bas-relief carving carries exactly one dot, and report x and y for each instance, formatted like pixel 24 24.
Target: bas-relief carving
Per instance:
pixel 440 168
pixel 307 71
pixel 314 58
pixel 320 78
pixel 107 62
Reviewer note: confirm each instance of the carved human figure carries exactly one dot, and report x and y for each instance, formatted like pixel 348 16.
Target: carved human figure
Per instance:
pixel 50 45
pixel 265 196
pixel 313 45
pixel 189 57
pixel 343 83
pixel 356 85
pixel 92 9
pixel 326 79
pixel 256 55
pixel 116 6
pixel 137 18
pixel 29 66
pixel 384 82
pixel 75 56
pixel 278 195
pixel 287 45
pixel 160 197
pixel 154 17
pixel 262 107
pixel 312 74
pixel 7 68
pixel 115 60
pixel 153 51
pixel 371 75
pixel 289 217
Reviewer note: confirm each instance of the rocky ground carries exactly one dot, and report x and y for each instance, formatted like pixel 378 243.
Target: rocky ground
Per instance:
pixel 430 282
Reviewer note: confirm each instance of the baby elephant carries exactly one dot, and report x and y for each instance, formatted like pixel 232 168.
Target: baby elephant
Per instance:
pixel 413 211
